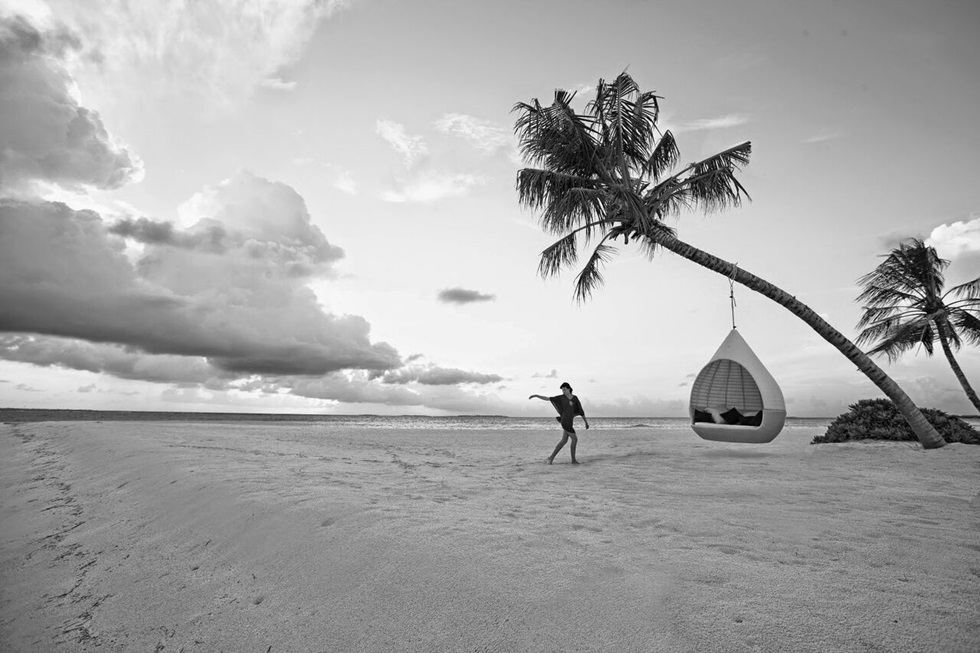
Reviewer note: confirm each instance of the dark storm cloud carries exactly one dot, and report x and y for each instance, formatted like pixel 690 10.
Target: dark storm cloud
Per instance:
pixel 45 134
pixel 207 237
pixel 463 296
pixel 63 274
pixel 46 351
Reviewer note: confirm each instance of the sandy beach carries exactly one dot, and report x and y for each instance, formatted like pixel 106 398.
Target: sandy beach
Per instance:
pixel 181 536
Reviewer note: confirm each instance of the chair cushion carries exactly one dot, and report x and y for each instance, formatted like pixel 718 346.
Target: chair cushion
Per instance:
pixel 702 416
pixel 753 420
pixel 732 416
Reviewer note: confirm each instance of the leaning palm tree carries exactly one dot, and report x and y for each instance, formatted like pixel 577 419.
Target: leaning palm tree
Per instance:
pixel 906 307
pixel 603 175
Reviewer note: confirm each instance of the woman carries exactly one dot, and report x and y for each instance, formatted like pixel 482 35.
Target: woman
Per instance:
pixel 568 406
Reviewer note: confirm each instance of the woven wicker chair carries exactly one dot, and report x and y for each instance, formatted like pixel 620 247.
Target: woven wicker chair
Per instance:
pixel 736 378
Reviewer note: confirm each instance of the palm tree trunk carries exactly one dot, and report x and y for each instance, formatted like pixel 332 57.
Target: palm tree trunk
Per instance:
pixel 924 431
pixel 970 392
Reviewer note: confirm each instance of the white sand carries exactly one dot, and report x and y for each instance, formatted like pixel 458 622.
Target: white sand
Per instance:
pixel 150 537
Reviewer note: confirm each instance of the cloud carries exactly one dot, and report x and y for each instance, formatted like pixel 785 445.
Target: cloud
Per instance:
pixel 412 148
pixel 345 181
pixel 463 296
pixel 821 137
pixel 104 358
pixel 435 375
pixel 218 51
pixel 355 388
pixel 957 239
pixel 721 122
pixel 553 374
pixel 421 184
pixel 45 133
pixel 276 84
pixel 208 236
pixel 482 134
pixel 428 186
pixel 268 220
pixel 244 306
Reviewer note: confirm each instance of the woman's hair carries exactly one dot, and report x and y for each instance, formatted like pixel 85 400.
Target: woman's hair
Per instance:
pixel 565 385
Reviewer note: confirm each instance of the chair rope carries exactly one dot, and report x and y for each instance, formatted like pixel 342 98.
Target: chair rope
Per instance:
pixel 731 290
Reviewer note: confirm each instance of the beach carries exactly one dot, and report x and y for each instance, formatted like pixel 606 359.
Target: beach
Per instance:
pixel 275 537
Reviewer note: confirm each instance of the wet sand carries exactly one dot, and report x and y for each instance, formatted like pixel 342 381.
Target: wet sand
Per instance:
pixel 167 537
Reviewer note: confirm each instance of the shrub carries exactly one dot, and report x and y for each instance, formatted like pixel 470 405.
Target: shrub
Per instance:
pixel 879 419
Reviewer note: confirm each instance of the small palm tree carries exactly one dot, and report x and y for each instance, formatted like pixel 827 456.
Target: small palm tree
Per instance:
pixel 604 174
pixel 906 307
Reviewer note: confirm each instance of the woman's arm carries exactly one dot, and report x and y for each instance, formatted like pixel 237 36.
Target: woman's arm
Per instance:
pixel 581 412
pixel 540 397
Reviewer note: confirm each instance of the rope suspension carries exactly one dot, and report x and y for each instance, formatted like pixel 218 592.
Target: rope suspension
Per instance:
pixel 731 290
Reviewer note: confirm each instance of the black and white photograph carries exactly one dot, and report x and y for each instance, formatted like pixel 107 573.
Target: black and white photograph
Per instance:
pixel 451 326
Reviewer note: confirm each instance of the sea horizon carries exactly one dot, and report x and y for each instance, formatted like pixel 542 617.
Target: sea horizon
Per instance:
pixel 376 421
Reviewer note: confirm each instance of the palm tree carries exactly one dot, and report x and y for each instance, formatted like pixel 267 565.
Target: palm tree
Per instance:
pixel 906 307
pixel 604 175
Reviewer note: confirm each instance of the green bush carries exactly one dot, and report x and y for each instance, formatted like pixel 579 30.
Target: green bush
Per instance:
pixel 879 419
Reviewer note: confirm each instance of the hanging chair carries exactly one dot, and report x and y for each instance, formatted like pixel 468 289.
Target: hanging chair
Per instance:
pixel 734 388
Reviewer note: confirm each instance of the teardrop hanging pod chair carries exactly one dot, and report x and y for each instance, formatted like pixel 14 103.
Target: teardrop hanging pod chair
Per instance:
pixel 735 398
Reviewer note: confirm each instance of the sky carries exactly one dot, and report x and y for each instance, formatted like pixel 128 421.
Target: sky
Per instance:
pixel 296 206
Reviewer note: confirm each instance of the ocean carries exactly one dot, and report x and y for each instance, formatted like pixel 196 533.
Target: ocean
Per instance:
pixel 409 422
pixel 403 422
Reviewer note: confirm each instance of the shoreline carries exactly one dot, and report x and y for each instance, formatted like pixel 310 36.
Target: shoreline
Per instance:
pixel 21 415
pixel 239 537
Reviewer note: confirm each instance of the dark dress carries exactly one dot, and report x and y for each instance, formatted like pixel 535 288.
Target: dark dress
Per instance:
pixel 567 410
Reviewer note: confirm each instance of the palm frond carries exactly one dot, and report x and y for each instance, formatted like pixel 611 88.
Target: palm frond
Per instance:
pixel 711 183
pixel 875 314
pixel 559 255
pixel 567 200
pixel 665 156
pixel 911 272
pixel 625 119
pixel 968 290
pixel 666 199
pixel 968 325
pixel 555 137
pixel 590 278
pixel 880 291
pixel 895 338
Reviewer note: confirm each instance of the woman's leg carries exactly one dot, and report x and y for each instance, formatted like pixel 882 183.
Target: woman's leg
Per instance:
pixel 574 439
pixel 564 439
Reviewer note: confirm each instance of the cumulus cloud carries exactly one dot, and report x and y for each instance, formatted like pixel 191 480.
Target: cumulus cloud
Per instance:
pixel 463 296
pixel 411 148
pixel 482 134
pixel 268 220
pixel 243 305
pixel 45 133
pixel 957 239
